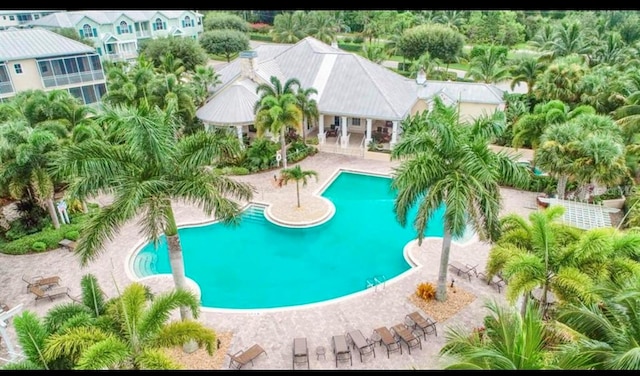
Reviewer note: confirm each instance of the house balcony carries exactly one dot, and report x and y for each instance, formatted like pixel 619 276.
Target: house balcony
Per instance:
pixel 73 78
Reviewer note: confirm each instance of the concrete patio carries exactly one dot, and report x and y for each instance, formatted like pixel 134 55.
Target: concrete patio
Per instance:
pixel 274 329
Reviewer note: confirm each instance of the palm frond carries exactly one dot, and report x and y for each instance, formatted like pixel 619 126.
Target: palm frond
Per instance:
pixel 161 307
pixel 178 333
pixel 73 342
pixel 155 360
pixel 110 353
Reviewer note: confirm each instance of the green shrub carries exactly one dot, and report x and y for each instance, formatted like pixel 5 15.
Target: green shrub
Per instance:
pixel 235 170
pixel 39 246
pixel 260 37
pixel 632 210
pixel 312 141
pixel 72 235
pixel 351 47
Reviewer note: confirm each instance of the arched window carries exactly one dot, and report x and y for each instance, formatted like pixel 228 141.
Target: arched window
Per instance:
pixel 159 25
pixel 87 31
pixel 187 22
pixel 124 28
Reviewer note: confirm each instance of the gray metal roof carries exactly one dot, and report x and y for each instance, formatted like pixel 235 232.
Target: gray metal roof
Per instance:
pixel 347 84
pixel 37 43
pixel 468 92
pixel 71 19
pixel 233 105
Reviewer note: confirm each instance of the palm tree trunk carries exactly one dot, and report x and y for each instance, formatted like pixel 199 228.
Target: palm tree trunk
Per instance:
pixel 283 147
pixel 562 186
pixel 298 191
pixel 52 213
pixel 304 130
pixel 441 290
pixel 176 261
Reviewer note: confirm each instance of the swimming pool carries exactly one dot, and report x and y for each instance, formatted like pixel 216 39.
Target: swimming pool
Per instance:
pixel 259 264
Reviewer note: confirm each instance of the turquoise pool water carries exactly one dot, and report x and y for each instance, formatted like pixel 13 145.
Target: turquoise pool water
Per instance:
pixel 262 265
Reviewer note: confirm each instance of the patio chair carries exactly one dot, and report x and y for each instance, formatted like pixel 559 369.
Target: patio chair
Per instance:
pixel 461 268
pixel 426 324
pixel 241 358
pixel 50 294
pixel 341 350
pixel 407 336
pixel 361 343
pixel 300 352
pixel 495 281
pixel 43 283
pixel 386 338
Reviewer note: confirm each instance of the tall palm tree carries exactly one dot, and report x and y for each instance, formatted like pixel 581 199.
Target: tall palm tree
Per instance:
pixel 299 175
pixel 141 329
pixel 285 111
pixel 148 169
pixel 289 27
pixel 321 25
pixel 308 107
pixel 568 39
pixel 445 162
pixel 202 78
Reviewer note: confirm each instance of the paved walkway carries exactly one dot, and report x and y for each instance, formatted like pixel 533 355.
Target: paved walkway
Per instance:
pixel 275 329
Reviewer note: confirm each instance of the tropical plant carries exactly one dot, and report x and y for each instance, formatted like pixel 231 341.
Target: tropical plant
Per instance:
pixel 308 107
pixel 508 341
pixel 289 27
pixel 142 327
pixel 278 109
pixel 446 162
pixel 299 175
pixel 488 67
pixel 144 172
pixel 526 69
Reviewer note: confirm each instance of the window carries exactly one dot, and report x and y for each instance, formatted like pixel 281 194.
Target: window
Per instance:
pixel 36 16
pixel 187 22
pixel 4 77
pixel 87 31
pixel 123 28
pixel 12 18
pixel 45 68
pixel 18 68
pixel 336 120
pixel 159 25
pixel 355 121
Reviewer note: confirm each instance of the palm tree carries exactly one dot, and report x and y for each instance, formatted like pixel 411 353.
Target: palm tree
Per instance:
pixel 277 109
pixel 568 39
pixel 298 174
pixel 606 330
pixel 489 67
pixel 202 78
pixel 289 27
pixel 25 154
pixel 508 341
pixel 526 69
pixel 321 25
pixel 144 172
pixel 142 328
pixel 374 52
pixel 170 64
pixel 308 107
pixel 446 162
pixel 561 80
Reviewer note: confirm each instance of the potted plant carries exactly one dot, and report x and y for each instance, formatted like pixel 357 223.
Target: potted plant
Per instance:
pixel 612 198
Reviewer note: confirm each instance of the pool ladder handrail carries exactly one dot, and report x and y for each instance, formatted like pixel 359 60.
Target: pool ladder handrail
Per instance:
pixel 375 281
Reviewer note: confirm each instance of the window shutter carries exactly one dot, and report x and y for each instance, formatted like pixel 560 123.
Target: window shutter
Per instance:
pixel 118 30
pixel 130 29
pixel 183 23
pixel 95 32
pixel 164 26
pixel 81 33
pixel 154 26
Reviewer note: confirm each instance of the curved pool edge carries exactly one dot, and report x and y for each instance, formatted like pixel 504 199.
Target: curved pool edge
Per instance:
pixel 331 211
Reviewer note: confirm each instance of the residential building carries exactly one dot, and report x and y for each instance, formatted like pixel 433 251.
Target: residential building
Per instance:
pixel 358 100
pixel 116 34
pixel 35 58
pixel 18 18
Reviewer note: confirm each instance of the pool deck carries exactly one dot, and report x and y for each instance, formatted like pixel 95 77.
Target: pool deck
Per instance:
pixel 275 329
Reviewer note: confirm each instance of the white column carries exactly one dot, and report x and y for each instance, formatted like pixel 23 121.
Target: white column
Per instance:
pixel 394 134
pixel 344 141
pixel 239 132
pixel 321 134
pixel 368 136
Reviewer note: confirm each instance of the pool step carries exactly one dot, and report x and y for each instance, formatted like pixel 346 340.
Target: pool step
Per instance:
pixel 145 264
pixel 254 213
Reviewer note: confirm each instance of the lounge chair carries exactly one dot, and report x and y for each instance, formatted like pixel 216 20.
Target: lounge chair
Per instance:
pixel 495 281
pixel 43 283
pixel 300 352
pixel 50 294
pixel 461 268
pixel 390 342
pixel 426 324
pixel 241 358
pixel 341 349
pixel 407 336
pixel 361 343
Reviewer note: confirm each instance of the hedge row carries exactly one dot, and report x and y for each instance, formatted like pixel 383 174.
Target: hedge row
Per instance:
pixel 50 237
